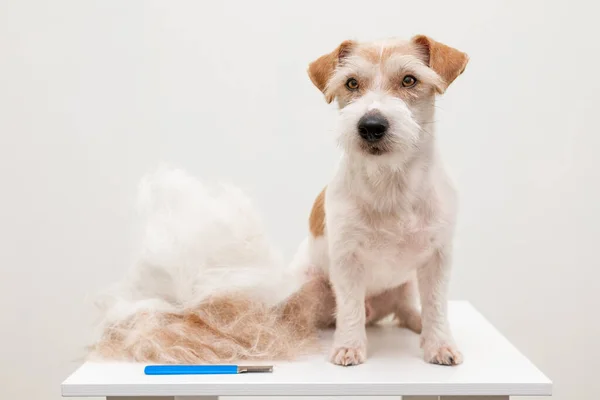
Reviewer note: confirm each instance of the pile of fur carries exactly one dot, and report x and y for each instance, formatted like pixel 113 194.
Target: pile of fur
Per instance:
pixel 207 286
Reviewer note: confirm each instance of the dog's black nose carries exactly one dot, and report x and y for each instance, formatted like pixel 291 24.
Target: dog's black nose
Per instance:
pixel 372 127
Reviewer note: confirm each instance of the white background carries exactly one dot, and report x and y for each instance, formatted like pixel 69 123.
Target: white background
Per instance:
pixel 95 94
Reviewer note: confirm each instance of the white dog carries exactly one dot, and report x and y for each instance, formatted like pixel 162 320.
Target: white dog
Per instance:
pixel 382 230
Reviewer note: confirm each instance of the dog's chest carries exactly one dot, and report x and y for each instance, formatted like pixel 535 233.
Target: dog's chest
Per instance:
pixel 391 249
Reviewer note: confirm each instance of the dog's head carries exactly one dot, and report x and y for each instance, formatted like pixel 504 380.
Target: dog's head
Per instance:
pixel 386 91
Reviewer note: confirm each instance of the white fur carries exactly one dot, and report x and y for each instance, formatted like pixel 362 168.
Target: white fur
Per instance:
pixel 376 242
pixel 198 241
pixel 404 137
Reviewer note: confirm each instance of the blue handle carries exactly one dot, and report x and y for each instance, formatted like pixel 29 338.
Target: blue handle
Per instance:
pixel 191 369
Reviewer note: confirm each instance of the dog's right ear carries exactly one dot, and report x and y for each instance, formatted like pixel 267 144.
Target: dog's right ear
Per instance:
pixel 322 68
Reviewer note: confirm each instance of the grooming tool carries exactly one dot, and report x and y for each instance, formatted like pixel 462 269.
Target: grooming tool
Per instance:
pixel 205 369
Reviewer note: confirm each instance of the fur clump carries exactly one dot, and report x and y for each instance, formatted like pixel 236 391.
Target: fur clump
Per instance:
pixel 223 329
pixel 207 285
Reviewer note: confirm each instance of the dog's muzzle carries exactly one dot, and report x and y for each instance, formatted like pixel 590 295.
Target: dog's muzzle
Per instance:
pixel 373 126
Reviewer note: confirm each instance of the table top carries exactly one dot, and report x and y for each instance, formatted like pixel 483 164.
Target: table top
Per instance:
pixel 395 367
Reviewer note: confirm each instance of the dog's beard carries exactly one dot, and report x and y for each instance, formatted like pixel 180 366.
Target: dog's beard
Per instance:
pixel 401 139
pixel 375 149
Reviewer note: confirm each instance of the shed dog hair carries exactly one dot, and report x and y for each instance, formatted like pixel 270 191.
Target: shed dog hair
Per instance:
pixel 382 229
pixel 207 286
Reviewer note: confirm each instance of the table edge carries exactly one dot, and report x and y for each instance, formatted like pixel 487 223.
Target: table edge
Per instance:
pixel 540 388
pixel 307 389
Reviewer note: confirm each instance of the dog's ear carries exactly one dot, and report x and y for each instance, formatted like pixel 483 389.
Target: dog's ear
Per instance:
pixel 446 61
pixel 322 68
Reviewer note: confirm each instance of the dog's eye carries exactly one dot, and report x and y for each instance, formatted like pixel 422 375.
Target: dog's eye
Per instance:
pixel 352 84
pixel 409 81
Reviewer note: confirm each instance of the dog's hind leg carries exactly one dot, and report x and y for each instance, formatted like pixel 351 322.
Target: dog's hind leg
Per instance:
pixel 407 312
pixel 402 302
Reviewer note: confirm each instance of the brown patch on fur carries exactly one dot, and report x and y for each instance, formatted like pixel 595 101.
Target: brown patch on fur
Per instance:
pixel 368 59
pixel 222 329
pixel 322 68
pixel 448 62
pixel 316 221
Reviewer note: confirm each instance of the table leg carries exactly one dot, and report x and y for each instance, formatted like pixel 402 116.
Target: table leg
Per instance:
pixel 420 397
pixel 163 398
pixel 140 398
pixel 455 398
pixel 196 397
pixel 474 398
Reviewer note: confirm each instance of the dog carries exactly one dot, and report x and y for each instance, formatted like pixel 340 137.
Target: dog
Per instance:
pixel 381 231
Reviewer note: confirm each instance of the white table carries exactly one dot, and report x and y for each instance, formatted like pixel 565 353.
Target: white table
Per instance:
pixel 493 369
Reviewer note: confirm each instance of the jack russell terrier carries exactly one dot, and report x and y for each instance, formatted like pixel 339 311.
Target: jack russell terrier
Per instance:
pixel 381 231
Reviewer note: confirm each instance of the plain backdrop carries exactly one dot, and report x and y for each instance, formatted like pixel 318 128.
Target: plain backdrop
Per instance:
pixel 94 94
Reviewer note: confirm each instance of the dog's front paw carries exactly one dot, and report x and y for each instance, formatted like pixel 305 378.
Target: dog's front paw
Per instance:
pixel 441 353
pixel 347 356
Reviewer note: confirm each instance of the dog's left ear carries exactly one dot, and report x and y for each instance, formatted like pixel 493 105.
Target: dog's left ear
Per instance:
pixel 446 61
pixel 322 68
